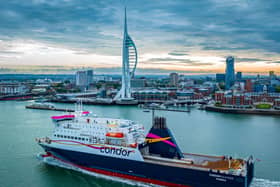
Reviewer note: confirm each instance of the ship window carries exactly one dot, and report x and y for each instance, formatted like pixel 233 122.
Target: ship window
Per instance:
pixel 76 138
pixel 55 135
pixel 58 136
pixel 83 139
pixel 64 136
pixel 79 138
pixel 72 137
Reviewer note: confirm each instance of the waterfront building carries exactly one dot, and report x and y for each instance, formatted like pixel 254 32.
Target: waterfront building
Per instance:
pixel 230 75
pixel 245 99
pixel 277 103
pixel 185 95
pixel 219 95
pixel 129 63
pixel 220 77
pixel 11 88
pixel 151 95
pixel 174 79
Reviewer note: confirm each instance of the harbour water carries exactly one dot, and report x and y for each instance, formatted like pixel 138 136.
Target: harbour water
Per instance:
pixel 196 132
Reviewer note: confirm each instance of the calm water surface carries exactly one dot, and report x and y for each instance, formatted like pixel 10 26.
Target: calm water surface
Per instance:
pixel 196 132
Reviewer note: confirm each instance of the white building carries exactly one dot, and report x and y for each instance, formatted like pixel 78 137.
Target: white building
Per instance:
pixel 174 79
pixel 84 78
pixel 7 88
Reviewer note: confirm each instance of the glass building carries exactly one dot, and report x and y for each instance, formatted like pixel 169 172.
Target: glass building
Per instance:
pixel 230 75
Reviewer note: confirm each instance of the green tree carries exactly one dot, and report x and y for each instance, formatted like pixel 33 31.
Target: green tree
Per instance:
pixel 277 89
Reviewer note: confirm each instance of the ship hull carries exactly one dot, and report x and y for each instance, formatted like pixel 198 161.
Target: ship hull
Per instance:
pixel 147 172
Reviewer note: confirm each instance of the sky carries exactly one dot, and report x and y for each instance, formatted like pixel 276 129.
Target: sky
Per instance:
pixel 185 36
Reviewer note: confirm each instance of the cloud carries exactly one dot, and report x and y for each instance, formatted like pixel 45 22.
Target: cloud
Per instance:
pixel 175 62
pixel 250 60
pixel 177 28
pixel 177 54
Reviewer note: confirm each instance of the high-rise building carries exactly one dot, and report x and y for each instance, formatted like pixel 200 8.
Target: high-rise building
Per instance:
pixel 272 75
pixel 230 75
pixel 129 63
pixel 220 77
pixel 239 76
pixel 174 79
pixel 89 77
pixel 81 78
pixel 84 78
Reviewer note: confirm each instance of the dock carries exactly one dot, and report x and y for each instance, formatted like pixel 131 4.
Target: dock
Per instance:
pixel 49 108
pixel 166 109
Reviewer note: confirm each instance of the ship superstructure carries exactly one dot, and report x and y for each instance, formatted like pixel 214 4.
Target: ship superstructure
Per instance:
pixel 120 148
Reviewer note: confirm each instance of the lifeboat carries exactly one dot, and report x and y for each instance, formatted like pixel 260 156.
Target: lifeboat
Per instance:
pixel 115 134
pixel 134 145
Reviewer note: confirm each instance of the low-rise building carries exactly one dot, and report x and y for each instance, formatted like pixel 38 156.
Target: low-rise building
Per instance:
pixel 8 88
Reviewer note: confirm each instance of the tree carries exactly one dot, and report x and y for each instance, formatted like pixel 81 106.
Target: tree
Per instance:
pixel 277 89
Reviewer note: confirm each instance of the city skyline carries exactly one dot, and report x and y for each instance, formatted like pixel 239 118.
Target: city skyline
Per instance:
pixel 189 37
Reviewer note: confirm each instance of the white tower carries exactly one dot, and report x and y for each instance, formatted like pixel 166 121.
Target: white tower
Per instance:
pixel 129 63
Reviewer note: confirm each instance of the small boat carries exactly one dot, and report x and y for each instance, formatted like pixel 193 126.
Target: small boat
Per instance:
pixel 146 110
pixel 42 106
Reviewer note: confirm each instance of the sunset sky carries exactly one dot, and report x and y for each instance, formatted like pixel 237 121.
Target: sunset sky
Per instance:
pixel 188 36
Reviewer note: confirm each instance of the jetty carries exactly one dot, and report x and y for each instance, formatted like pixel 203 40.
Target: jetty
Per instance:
pixel 47 107
pixel 165 109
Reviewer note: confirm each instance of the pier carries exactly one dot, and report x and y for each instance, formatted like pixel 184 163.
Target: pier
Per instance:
pixel 48 108
pixel 166 109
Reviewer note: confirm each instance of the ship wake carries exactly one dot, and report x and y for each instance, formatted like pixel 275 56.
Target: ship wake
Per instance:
pixel 265 183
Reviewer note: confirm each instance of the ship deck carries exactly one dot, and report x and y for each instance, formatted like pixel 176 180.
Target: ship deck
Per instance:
pixel 201 162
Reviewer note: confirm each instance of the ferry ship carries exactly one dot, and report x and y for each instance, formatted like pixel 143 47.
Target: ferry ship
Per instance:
pixel 119 148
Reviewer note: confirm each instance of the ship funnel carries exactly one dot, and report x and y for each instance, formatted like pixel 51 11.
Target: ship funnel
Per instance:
pixel 160 140
pixel 159 123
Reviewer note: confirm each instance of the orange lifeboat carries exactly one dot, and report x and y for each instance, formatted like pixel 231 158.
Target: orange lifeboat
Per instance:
pixel 134 145
pixel 115 134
